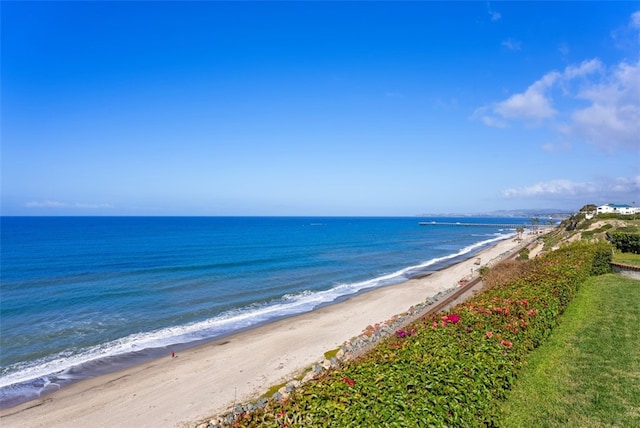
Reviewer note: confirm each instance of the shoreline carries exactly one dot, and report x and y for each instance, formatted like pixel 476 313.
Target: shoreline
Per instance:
pixel 207 380
pixel 33 389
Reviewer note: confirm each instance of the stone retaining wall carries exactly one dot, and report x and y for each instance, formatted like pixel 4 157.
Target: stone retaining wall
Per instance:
pixel 626 270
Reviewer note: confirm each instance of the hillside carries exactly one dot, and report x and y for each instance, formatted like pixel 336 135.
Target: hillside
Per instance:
pixel 578 227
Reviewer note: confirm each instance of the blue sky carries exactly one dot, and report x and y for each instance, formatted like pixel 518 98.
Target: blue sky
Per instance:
pixel 318 108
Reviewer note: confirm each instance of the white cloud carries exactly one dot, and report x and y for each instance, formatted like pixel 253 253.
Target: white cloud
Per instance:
pixel 550 188
pixel 492 13
pixel 635 20
pixel 626 37
pixel 492 121
pixel 564 49
pixel 612 118
pixel 45 204
pixel 626 185
pixel 512 44
pixel 602 189
pixel 600 104
pixel 91 206
pixel 485 115
pixel 57 204
pixel 584 69
pixel 561 146
pixel 531 104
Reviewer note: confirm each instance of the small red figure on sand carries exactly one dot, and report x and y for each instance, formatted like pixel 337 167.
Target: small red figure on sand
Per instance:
pixel 173 355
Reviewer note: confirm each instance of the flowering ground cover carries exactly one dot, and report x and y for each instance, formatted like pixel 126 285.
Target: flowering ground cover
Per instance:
pixel 447 369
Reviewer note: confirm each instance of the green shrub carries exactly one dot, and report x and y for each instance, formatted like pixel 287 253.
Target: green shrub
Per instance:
pixel 627 242
pixel 585 224
pixel 613 216
pixel 483 271
pixel 603 253
pixel 628 229
pixel 587 235
pixel 505 272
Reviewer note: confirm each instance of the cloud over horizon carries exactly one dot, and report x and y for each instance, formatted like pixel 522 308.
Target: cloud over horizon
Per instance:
pixel 58 204
pixel 624 189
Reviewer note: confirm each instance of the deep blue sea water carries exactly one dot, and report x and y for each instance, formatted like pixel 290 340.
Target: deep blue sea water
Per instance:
pixel 82 296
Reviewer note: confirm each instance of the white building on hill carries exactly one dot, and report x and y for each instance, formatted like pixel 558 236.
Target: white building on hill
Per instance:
pixel 618 209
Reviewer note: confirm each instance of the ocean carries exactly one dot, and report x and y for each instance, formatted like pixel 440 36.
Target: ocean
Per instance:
pixel 82 296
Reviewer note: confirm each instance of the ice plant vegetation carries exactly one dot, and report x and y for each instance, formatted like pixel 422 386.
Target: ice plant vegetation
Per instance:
pixel 449 369
pixel 348 381
pixel 405 333
pixel 451 318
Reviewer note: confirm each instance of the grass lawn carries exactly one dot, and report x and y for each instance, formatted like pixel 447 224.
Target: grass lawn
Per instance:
pixel 587 374
pixel 627 258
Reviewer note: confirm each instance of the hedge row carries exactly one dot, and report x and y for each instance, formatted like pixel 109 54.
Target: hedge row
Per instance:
pixel 445 369
pixel 626 242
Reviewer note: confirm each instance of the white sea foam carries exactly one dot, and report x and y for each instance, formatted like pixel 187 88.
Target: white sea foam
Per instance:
pixel 290 304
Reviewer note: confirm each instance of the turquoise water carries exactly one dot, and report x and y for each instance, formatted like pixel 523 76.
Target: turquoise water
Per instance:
pixel 82 296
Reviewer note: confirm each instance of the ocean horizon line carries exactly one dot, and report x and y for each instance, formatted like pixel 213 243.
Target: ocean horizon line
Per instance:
pixel 499 214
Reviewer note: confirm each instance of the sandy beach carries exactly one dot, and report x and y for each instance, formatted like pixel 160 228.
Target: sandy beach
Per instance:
pixel 208 380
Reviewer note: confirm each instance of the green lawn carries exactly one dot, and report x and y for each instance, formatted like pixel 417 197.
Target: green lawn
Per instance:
pixel 587 374
pixel 627 258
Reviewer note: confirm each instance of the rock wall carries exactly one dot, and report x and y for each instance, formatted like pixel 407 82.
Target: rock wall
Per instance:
pixel 626 270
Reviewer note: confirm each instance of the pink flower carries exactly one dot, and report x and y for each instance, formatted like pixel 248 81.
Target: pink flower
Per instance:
pixel 348 381
pixel 489 334
pixel 506 343
pixel 453 318
pixel 405 333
